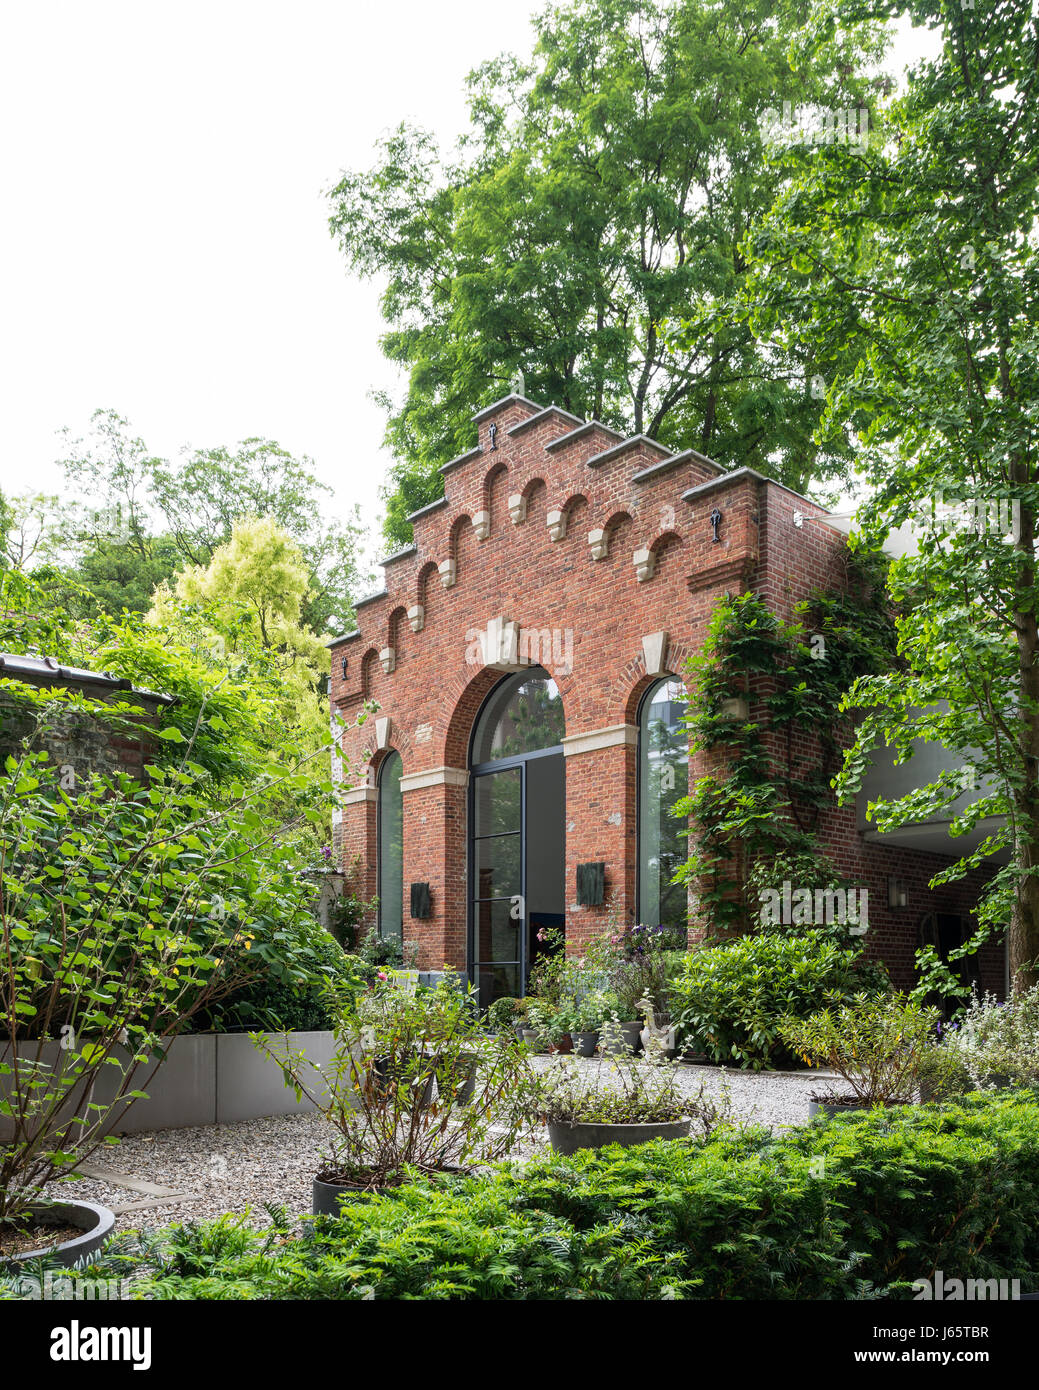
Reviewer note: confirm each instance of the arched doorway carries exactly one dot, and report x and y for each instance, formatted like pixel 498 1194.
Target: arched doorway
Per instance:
pixel 517 838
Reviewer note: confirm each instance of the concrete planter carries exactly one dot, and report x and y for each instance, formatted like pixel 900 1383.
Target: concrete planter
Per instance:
pixel 96 1223
pixel 586 1043
pixel 326 1195
pixel 631 1033
pixel 568 1138
pixel 207 1079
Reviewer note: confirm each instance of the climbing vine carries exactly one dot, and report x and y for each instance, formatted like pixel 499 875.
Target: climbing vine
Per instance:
pixel 766 702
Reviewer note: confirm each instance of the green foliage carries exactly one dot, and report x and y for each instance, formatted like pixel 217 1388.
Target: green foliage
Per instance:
pixel 142 519
pixel 636 1090
pixel 601 194
pixel 124 912
pixel 414 1082
pixel 294 970
pixel 917 278
pixel 994 1044
pixel 877 1043
pixel 844 1209
pixel 504 1015
pixel 730 998
pixel 755 819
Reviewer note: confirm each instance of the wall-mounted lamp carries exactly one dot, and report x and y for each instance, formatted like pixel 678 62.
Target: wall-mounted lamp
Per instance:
pixel 897 895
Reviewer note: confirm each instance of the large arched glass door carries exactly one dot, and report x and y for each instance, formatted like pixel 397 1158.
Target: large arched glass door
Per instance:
pixel 663 781
pixel 516 828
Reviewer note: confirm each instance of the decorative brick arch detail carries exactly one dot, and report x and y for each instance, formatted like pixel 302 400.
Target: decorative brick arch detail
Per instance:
pixel 397 631
pixel 633 682
pixel 495 492
pixel 369 665
pixel 665 544
pixel 615 520
pixel 425 574
pixel 372 758
pixel 535 488
pixel 465 698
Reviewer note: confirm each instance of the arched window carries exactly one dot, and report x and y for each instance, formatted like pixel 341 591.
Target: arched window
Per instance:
pixel 524 714
pixel 391 848
pixel 663 780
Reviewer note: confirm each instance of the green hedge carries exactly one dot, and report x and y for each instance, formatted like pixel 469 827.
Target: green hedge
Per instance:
pixel 838 1209
pixel 729 999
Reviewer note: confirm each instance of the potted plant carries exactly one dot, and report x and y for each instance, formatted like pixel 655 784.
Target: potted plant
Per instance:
pixel 588 1017
pixel 876 1043
pixel 414 1085
pixel 634 1101
pixel 543 1031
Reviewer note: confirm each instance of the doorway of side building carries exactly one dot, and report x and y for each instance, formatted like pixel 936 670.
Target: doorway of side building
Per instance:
pixel 517 836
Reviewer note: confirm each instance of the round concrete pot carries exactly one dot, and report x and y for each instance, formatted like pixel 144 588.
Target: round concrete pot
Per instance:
pixel 632 1040
pixel 97 1224
pixel 326 1195
pixel 568 1138
pixel 586 1043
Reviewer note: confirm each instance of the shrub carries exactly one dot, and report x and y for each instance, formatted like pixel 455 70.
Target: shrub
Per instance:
pixel 729 999
pixel 877 1043
pixel 291 994
pixel 997 1044
pixel 414 1082
pixel 848 1208
pixel 643 1091
pixel 505 1015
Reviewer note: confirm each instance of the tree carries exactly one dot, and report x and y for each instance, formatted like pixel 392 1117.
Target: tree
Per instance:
pixel 604 191
pixel 246 606
pixel 915 263
pixel 145 517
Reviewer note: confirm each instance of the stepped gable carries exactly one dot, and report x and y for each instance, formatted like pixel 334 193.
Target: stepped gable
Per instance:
pixel 532 466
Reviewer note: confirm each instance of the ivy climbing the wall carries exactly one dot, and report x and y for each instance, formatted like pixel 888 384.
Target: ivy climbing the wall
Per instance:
pixel 766 707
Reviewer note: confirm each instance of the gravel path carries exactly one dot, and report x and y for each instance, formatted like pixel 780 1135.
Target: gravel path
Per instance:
pixel 236 1168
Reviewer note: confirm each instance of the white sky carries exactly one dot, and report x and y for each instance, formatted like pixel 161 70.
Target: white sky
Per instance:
pixel 164 247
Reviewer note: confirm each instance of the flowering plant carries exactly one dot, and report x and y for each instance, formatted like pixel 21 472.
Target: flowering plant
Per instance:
pixel 997 1044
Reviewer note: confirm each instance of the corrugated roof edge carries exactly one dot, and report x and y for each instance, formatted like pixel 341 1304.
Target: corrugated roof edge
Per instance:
pixel 532 421
pixel 713 484
pixel 462 458
pixel 583 429
pixel 400 554
pixel 429 507
pixel 47 670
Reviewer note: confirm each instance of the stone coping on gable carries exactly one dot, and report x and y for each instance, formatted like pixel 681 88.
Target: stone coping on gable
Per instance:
pixel 495 406
pixel 617 450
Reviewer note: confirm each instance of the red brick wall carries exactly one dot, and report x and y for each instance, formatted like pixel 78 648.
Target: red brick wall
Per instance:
pixel 519 573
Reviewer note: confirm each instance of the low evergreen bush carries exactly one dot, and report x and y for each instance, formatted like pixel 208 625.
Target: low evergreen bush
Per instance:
pixel 839 1209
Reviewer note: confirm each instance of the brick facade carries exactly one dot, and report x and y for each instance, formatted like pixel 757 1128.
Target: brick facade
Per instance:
pixel 560 525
